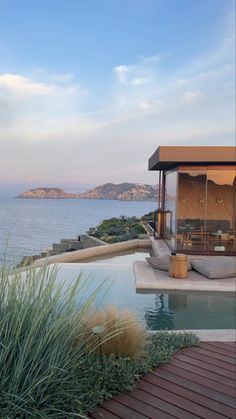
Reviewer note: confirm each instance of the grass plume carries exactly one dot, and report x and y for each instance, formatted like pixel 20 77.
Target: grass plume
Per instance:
pixel 123 335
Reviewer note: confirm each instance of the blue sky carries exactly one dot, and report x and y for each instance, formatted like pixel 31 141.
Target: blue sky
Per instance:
pixel 89 89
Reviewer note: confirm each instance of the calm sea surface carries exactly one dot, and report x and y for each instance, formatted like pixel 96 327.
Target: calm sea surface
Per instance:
pixel 29 226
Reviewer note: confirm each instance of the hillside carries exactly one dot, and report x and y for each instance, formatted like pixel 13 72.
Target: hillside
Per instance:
pixel 122 191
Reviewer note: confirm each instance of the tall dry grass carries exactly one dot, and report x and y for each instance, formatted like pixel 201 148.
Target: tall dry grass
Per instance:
pixel 123 336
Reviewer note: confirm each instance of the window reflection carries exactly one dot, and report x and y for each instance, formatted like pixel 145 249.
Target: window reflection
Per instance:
pixel 206 209
pixel 191 210
pixel 221 177
pixel 220 222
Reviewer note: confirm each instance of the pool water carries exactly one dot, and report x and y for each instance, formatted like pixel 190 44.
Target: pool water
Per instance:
pixel 118 258
pixel 156 310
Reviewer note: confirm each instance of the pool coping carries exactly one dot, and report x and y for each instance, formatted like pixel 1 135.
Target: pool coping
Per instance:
pixel 148 279
pixel 91 252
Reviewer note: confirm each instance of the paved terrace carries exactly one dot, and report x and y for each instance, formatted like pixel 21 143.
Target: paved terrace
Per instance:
pixel 198 382
pixel 149 279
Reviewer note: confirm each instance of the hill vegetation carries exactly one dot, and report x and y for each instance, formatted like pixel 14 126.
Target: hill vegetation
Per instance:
pixel 115 230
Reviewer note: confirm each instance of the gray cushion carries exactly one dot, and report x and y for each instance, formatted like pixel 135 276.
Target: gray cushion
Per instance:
pixel 162 262
pixel 216 267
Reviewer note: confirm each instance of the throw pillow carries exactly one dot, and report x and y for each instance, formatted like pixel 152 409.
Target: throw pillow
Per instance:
pixel 162 262
pixel 216 267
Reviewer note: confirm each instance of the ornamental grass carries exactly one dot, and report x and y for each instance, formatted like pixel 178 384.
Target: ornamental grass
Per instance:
pixel 50 366
pixel 39 367
pixel 123 335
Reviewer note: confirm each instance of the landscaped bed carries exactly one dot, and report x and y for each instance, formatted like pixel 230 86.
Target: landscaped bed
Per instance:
pixel 116 230
pixel 52 362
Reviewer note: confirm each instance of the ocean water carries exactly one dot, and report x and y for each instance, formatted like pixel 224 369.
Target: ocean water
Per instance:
pixel 29 226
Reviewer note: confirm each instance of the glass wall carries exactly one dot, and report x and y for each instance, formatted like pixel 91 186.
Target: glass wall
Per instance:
pixel 220 221
pixel 192 207
pixel 206 209
pixel 169 219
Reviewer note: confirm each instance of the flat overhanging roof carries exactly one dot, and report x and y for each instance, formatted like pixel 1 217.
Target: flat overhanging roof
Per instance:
pixel 166 157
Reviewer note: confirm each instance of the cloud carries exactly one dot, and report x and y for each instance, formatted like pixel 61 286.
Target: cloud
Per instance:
pixel 141 72
pixel 193 96
pixel 145 105
pixel 139 80
pixel 122 73
pixel 23 86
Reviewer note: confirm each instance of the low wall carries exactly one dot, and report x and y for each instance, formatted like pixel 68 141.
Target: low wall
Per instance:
pixel 90 241
pixel 83 242
pixel 106 249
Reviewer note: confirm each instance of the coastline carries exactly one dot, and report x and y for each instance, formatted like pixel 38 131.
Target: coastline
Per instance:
pixel 28 226
pixel 95 237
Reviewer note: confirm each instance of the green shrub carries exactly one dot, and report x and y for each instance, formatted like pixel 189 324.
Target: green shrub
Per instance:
pixel 118 229
pixel 113 375
pixel 139 229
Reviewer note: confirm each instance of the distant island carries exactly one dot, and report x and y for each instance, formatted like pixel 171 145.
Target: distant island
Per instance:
pixel 46 193
pixel 122 192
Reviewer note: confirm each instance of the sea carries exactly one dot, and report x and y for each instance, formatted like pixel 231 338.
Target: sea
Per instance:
pixel 30 226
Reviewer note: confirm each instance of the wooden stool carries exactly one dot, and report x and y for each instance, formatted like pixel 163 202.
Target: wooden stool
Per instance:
pixel 178 266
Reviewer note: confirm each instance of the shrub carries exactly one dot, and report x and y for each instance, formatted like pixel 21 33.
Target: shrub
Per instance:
pixel 118 229
pixel 139 228
pixel 123 333
pixel 117 374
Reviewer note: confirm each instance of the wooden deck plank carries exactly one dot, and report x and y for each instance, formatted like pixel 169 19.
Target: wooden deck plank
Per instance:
pixel 233 344
pixel 219 350
pixel 209 360
pixel 162 404
pixel 101 413
pixel 179 401
pixel 212 354
pixel 198 382
pixel 225 345
pixel 142 407
pixel 188 358
pixel 122 411
pixel 180 372
pixel 197 398
pixel 197 369
pixel 197 388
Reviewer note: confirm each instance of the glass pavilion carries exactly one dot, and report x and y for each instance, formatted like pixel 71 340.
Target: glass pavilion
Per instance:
pixel 197 198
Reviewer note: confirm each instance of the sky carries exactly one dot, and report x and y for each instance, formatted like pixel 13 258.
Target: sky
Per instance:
pixel 89 89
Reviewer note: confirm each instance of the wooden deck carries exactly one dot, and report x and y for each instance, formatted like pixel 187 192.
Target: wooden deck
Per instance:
pixel 198 382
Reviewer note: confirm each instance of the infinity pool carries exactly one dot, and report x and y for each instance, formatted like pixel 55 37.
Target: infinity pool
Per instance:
pixel 156 310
